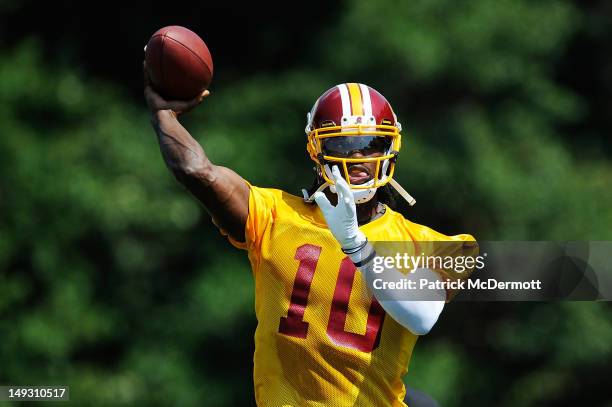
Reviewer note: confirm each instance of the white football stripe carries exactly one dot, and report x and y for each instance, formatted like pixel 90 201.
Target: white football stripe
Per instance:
pixel 346 101
pixel 365 97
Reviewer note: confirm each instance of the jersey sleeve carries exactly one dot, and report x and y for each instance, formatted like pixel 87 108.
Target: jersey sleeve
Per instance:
pixel 461 248
pixel 262 205
pixel 449 255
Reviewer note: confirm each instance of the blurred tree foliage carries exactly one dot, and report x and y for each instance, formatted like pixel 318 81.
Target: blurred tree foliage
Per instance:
pixel 114 281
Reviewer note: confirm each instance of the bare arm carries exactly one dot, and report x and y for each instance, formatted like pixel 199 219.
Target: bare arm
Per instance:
pixel 223 192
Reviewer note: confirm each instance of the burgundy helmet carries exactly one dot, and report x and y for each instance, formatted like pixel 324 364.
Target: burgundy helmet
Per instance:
pixel 353 118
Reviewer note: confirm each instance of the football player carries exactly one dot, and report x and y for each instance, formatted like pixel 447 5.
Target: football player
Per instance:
pixel 322 338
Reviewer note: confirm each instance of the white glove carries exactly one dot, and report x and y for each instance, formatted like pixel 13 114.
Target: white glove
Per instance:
pixel 342 218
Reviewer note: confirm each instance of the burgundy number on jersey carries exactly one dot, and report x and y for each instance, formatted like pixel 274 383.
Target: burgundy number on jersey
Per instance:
pixel 294 325
pixel 337 317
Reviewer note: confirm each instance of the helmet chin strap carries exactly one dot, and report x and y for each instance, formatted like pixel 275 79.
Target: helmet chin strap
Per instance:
pixel 310 198
pixel 411 201
pixel 364 195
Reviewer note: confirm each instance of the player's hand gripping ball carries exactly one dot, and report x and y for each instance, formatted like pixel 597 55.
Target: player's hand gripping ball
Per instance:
pixel 178 63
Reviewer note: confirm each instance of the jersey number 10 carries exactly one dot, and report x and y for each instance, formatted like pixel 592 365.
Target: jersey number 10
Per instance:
pixel 294 325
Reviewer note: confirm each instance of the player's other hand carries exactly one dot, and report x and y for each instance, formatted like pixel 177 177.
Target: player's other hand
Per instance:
pixel 342 218
pixel 156 102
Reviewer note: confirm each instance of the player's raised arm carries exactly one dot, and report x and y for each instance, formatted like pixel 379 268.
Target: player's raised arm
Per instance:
pixel 224 193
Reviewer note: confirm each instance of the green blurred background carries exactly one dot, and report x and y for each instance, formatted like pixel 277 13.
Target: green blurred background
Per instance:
pixel 113 280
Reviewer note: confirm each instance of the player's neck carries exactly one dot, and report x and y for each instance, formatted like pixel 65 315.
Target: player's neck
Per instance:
pixel 368 211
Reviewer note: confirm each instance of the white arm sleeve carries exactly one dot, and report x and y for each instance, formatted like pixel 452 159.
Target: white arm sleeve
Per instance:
pixel 418 316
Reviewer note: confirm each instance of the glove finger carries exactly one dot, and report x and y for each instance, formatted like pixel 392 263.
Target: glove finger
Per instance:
pixel 349 205
pixel 323 202
pixel 341 185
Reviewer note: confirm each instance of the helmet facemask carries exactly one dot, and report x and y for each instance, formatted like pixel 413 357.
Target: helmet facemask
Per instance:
pixel 352 144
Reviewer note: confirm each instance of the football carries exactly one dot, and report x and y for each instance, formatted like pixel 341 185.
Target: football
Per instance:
pixel 178 63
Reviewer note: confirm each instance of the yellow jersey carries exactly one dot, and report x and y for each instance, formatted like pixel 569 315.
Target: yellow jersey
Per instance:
pixel 321 338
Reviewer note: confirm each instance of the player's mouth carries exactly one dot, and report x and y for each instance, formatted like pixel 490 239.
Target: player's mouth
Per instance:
pixel 359 174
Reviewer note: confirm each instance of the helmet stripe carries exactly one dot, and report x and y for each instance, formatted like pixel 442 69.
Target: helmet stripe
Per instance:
pixel 356 103
pixel 346 101
pixel 367 102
